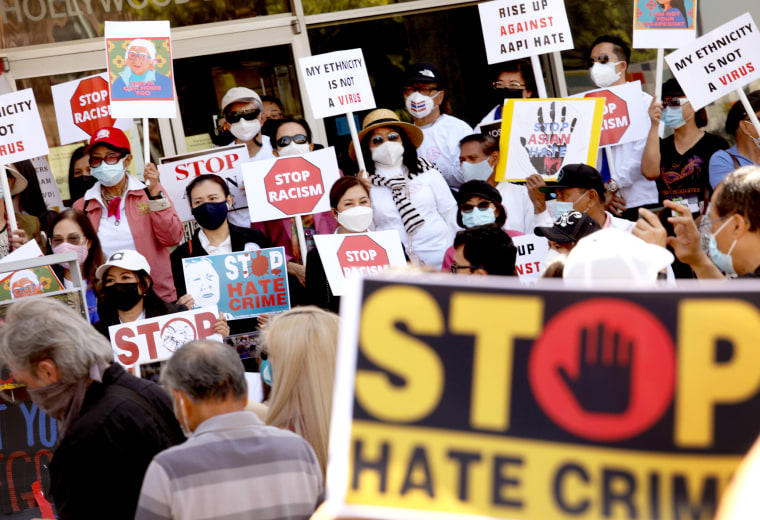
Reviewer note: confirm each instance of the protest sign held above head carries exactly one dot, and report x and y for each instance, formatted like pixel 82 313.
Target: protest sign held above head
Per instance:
pixel 540 135
pixel 243 284
pixel 625 113
pixel 82 106
pixel 659 24
pixel 178 171
pixel 156 339
pixel 514 29
pixel 289 186
pixel 140 69
pixel 21 133
pixel 346 255
pixel 337 83
pixel 721 61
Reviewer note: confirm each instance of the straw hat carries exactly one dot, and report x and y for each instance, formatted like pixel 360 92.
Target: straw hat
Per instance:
pixel 384 117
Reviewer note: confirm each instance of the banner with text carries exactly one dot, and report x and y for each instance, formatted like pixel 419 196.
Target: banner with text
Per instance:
pixel 242 285
pixel 625 113
pixel 21 133
pixel 514 29
pixel 655 27
pixel 531 251
pixel 540 135
pixel 483 398
pixel 721 61
pixel 50 192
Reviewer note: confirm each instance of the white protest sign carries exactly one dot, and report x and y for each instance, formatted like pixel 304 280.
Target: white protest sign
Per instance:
pixel 21 133
pixel 625 113
pixel 26 252
pixel 346 255
pixel 721 61
pixel 50 192
pixel 337 83
pixel 82 106
pixel 289 186
pixel 514 29
pixel 655 27
pixel 179 170
pixel 140 69
pixel 156 339
pixel 531 251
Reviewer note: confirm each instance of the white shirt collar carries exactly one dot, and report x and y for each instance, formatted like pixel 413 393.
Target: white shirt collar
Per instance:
pixel 133 184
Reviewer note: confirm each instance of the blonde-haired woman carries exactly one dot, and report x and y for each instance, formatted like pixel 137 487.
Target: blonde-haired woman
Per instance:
pixel 300 346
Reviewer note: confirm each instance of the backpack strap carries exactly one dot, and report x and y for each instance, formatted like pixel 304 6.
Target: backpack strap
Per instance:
pixel 735 159
pixel 131 395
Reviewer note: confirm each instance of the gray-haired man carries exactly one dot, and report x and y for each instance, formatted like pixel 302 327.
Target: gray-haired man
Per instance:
pixel 233 465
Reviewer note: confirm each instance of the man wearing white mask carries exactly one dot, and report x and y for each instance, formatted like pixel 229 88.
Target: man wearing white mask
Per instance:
pixel 608 64
pixel 242 112
pixel 423 98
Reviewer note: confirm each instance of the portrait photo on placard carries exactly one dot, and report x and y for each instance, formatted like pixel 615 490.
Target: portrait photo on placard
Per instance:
pixel 140 68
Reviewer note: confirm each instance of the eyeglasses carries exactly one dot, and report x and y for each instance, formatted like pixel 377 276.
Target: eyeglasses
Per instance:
pixel 248 115
pixel 425 90
pixel 500 85
pixel 19 292
pixel 132 55
pixel 455 268
pixel 674 102
pixel 75 239
pixel 111 158
pixel 482 206
pixel 379 139
pixel 285 140
pixel 601 60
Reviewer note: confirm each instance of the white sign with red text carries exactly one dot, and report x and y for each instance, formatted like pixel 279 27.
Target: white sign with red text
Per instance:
pixel 179 170
pixel 625 113
pixel 156 339
pixel 82 106
pixel 337 82
pixel 21 133
pixel 289 186
pixel 531 251
pixel 347 255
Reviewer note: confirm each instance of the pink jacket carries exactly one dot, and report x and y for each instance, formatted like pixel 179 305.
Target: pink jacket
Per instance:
pixel 153 232
pixel 280 232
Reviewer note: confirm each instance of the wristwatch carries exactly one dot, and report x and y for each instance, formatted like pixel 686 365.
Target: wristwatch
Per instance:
pixel 612 186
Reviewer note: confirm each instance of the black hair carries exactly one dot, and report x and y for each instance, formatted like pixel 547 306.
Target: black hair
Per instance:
pixel 206 177
pixel 153 305
pixel 410 151
pixel 738 113
pixel 501 218
pixel 95 255
pixel 275 100
pixel 676 4
pixel 290 119
pixel 488 247
pixel 341 186
pixel 488 143
pixel 524 67
pixel 620 46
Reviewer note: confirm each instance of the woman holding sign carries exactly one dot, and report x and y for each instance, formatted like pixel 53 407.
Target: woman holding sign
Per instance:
pixel 410 195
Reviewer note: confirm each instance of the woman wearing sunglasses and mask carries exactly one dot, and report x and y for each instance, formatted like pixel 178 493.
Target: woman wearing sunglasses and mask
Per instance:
pixel 409 194
pixel 127 214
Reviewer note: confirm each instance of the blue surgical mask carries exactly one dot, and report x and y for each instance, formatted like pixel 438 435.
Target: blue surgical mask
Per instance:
pixel 672 117
pixel 722 261
pixel 478 217
pixel 562 207
pixel 476 171
pixel 109 174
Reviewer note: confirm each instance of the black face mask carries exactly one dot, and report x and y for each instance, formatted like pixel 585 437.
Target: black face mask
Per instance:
pixel 507 93
pixel 79 185
pixel 123 296
pixel 211 215
pixel 223 138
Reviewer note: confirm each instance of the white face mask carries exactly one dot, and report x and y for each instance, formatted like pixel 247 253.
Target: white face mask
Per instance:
pixel 293 148
pixel 356 219
pixel 476 171
pixel 388 155
pixel 550 257
pixel 245 130
pixel 419 105
pixel 604 75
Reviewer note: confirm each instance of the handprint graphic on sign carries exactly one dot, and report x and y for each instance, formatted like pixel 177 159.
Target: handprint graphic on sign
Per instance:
pixel 548 141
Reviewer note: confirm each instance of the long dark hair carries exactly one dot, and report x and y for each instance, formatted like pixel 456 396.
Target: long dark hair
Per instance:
pixel 95 254
pixel 410 151
pixel 676 4
pixel 153 304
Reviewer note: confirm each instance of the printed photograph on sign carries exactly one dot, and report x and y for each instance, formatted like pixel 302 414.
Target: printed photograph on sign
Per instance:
pixel 21 133
pixel 664 23
pixel 289 186
pixel 625 113
pixel 540 135
pixel 242 285
pixel 28 282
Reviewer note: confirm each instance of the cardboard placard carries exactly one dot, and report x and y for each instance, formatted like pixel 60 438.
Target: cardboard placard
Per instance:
pixel 179 170
pixel 82 106
pixel 289 186
pixel 346 255
pixel 156 339
pixel 625 113
pixel 21 133
pixel 540 135
pixel 50 192
pixel 337 83
pixel 140 69
pixel 468 397
pixel 242 284
pixel 531 251
pixel 656 28
pixel 721 61
pixel 514 29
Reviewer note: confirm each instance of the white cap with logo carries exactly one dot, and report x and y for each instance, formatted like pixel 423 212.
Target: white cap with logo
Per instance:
pixel 239 94
pixel 126 259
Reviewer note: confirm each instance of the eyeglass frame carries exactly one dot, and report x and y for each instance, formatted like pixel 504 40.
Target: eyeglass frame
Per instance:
pixel 285 140
pixel 131 55
pixel 455 267
pixel 111 159
pixel 82 240
pixel 377 140
pixel 468 208
pixel 248 115
pixel 669 102
pixel 425 90
pixel 514 85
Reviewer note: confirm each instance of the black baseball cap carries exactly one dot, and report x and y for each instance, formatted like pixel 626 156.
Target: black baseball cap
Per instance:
pixel 571 226
pixel 422 73
pixel 579 176
pixel 477 189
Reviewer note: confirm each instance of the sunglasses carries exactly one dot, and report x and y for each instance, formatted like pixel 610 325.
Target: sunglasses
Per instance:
pixel 111 158
pixel 674 102
pixel 285 140
pixel 601 59
pixel 379 139
pixel 75 239
pixel 248 115
pixel 482 206
pixel 425 90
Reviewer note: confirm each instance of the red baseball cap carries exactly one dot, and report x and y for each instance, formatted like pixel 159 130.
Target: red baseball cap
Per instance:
pixel 111 137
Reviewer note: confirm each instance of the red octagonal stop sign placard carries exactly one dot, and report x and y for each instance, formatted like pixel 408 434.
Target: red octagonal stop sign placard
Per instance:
pixel 294 185
pixel 616 119
pixel 361 254
pixel 90 105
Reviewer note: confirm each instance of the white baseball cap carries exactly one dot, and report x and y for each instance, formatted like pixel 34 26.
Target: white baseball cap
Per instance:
pixel 126 259
pixel 239 94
